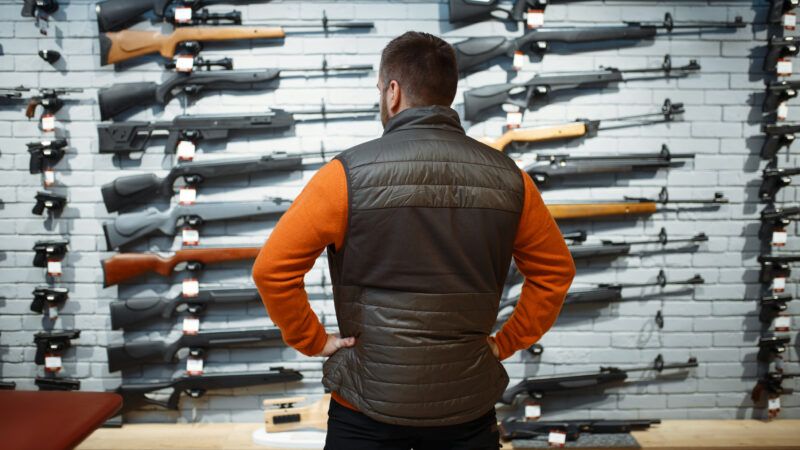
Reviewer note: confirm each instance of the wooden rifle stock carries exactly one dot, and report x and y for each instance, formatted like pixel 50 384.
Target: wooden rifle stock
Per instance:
pixel 591 210
pixel 123 45
pixel 125 266
pixel 566 131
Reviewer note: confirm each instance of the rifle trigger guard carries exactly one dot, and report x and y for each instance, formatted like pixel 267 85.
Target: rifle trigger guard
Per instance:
pixel 197 352
pixel 193 221
pixel 195 308
pixel 195 393
pixel 194 266
pixel 193 180
pixel 658 363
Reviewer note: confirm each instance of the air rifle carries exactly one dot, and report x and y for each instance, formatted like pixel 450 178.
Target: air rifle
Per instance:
pixel 778 8
pixel 523 95
pixel 515 428
pixel 131 227
pixel 779 92
pixel 539 386
pixel 770 347
pixel 133 354
pixel 122 97
pixel 134 395
pixel 772 306
pixel 773 179
pixel 46 295
pixel 125 266
pixel 49 99
pixel 54 203
pixel 780 47
pixel 777 219
pixel 130 190
pixel 548 167
pixel 53 342
pixel 130 137
pixel 776 266
pixel 45 251
pixel 46 154
pixel 119 46
pixel 478 50
pixel 57 384
pixel 616 249
pixel 772 384
pixel 583 127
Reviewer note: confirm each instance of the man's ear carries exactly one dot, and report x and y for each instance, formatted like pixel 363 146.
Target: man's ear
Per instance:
pixel 395 97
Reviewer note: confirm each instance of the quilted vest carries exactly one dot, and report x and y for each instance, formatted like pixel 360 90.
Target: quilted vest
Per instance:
pixel 432 220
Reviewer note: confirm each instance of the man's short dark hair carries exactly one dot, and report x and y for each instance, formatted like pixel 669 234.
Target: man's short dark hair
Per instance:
pixel 424 66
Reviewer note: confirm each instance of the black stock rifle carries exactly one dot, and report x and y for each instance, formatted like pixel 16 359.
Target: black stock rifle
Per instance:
pixel 54 203
pixel 525 95
pixel 772 306
pixel 115 15
pixel 57 384
pixel 134 354
pixel 772 385
pixel 516 428
pixel 48 342
pixel 771 347
pixel 134 395
pixel 122 97
pixel 49 250
pixel 128 191
pixel 478 50
pixel 45 154
pixel 776 266
pixel 52 297
pixel 128 137
pixel 773 179
pixel 538 387
pixel 777 219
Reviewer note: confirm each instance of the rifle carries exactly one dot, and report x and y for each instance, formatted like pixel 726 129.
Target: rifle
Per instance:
pixel 779 92
pixel 29 7
pixel 515 428
pixel 770 347
pixel 54 203
pixel 119 46
pixel 772 306
pixel 57 384
pixel 551 166
pixel 52 296
pixel 131 227
pixel 478 50
pixel 583 127
pixel 538 386
pixel 524 94
pixel 114 15
pixel 776 219
pixel 778 8
pixel 134 395
pixel 776 266
pixel 772 383
pixel 126 266
pixel 126 191
pixel 45 154
pixel 49 100
pixel 134 136
pixel 122 97
pixel 49 250
pixel 780 47
pixel 133 354
pixel 13 93
pixel 616 249
pixel 774 179
pixel 53 341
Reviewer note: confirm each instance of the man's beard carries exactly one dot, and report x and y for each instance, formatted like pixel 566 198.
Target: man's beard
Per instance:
pixel 384 112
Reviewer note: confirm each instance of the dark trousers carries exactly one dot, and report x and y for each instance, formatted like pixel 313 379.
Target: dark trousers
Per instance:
pixel 352 430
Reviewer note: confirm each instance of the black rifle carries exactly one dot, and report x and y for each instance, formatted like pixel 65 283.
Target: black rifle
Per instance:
pixel 551 166
pixel 7 385
pixel 134 136
pixel 770 347
pixel 49 250
pixel 515 428
pixel 780 7
pixel 114 15
pixel 46 154
pixel 539 386
pixel 122 97
pixel 53 341
pixel 475 51
pixel 778 137
pixel 773 179
pixel 776 266
pixel 772 384
pixel 131 227
pixel 525 94
pixel 772 306
pixel 616 249
pixel 775 219
pixel 49 99
pixel 133 354
pixel 779 92
pixel 29 7
pixel 54 203
pixel 134 395
pixel 127 191
pixel 780 47
pixel 46 295
pixel 57 384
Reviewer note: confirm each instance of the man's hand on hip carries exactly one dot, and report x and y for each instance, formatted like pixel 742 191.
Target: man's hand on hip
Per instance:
pixel 493 346
pixel 335 343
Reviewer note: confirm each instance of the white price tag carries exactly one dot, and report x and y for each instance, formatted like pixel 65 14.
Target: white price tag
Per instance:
pixel 48 122
pixel 779 238
pixel 784 67
pixel 187 196
pixel 52 363
pixel 519 60
pixel 54 268
pixel 514 119
pixel 191 325
pixel 194 366
pixel 190 236
pixel 774 404
pixel 557 438
pixel 186 150
pixel 190 287
pixel 778 285
pixel 789 21
pixel 533 411
pixel 49 177
pixel 783 111
pixel 535 18
pixel 52 312
pixel 184 63
pixel 782 323
pixel 183 15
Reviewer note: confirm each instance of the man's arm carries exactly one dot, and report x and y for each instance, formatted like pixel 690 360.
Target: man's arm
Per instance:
pixel 542 257
pixel 316 219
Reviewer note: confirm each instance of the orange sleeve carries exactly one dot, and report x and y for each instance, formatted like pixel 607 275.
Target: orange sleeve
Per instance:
pixel 542 257
pixel 316 219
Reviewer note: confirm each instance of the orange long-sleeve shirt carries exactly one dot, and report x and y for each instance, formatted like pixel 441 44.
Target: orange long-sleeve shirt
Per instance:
pixel 318 218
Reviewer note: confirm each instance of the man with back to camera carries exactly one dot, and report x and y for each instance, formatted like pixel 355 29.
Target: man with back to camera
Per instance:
pixel 420 227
